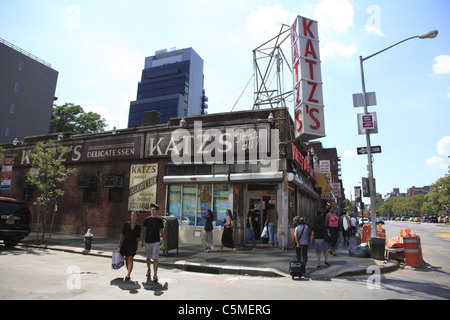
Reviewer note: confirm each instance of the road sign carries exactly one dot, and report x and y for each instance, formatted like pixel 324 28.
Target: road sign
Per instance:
pixel 367 122
pixel 373 149
pixel 371 99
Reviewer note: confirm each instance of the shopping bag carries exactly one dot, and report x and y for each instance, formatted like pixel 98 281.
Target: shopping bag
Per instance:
pixel 264 233
pixel 117 261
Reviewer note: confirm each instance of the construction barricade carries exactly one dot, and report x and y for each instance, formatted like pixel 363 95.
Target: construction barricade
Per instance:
pixel 413 251
pixel 394 249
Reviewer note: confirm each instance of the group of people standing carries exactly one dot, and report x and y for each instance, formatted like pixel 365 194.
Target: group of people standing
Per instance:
pixel 324 235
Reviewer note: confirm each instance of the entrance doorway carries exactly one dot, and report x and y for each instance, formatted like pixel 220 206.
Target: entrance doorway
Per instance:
pixel 261 206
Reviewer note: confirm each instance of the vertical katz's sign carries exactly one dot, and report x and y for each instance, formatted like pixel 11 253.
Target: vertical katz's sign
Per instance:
pixel 308 95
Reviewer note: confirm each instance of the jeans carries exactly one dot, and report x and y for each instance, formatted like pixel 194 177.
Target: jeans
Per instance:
pixel 273 238
pixel 334 233
pixel 302 255
pixel 250 236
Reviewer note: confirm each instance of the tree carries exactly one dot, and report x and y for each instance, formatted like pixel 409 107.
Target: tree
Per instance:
pixel 47 174
pixel 438 199
pixel 70 117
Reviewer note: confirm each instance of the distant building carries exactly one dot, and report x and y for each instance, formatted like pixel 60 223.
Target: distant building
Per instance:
pixel 27 92
pixel 328 158
pixel 414 191
pixel 171 86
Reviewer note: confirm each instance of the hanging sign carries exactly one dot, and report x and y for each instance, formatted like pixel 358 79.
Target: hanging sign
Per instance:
pixel 307 78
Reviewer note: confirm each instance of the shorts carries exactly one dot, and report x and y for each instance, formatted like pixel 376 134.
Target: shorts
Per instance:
pixel 152 250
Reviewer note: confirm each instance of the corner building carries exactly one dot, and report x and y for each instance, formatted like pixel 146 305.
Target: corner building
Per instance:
pixel 191 164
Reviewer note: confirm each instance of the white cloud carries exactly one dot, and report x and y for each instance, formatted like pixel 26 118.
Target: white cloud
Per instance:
pixel 331 48
pixel 350 154
pixel 265 22
pixel 442 65
pixel 443 146
pixel 437 162
pixel 337 14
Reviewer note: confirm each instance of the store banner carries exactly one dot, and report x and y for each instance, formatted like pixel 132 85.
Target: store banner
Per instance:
pixel 6 173
pixel 143 186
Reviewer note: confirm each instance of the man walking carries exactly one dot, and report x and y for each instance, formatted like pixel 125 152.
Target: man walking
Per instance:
pixel 251 224
pixel 153 228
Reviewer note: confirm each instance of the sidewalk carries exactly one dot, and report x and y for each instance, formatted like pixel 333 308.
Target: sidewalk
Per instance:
pixel 264 261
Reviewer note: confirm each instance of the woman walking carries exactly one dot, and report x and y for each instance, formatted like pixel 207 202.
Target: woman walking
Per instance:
pixel 317 238
pixel 332 222
pixel 128 242
pixel 227 235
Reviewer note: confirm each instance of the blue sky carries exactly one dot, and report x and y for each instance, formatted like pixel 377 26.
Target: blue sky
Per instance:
pixel 99 46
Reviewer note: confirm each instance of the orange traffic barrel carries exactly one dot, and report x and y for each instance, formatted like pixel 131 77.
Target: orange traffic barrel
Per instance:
pixel 366 231
pixel 413 251
pixel 381 233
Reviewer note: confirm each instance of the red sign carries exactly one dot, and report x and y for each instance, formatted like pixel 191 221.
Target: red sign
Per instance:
pixel 304 162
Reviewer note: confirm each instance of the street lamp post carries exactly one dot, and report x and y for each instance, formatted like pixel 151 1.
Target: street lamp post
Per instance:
pixel 373 196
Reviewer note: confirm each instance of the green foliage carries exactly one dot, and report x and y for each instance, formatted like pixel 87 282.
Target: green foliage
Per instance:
pixel 434 203
pixel 72 118
pixel 48 171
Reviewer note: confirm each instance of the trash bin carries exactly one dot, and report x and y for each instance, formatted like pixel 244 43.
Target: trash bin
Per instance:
pixel 377 248
pixel 171 234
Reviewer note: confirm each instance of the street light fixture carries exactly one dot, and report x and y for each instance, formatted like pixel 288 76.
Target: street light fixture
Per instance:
pixel 373 197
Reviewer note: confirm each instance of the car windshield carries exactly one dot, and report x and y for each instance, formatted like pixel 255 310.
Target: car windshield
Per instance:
pixel 12 208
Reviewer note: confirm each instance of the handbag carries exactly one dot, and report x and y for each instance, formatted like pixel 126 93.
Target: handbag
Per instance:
pixel 265 233
pixel 117 261
pixel 327 235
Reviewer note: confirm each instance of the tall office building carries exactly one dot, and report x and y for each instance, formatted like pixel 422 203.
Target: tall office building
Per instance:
pixel 27 92
pixel 171 85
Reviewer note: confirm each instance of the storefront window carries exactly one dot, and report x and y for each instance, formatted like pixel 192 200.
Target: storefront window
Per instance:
pixel 174 207
pixel 220 203
pixel 189 204
pixel 203 202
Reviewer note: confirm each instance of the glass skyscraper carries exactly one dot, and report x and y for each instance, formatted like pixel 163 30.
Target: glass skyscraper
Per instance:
pixel 172 85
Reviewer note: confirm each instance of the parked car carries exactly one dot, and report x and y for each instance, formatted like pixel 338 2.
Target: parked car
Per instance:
pixel 380 220
pixel 433 219
pixel 15 221
pixel 363 221
pixel 425 219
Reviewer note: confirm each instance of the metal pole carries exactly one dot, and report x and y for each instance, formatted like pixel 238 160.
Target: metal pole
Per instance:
pixel 373 196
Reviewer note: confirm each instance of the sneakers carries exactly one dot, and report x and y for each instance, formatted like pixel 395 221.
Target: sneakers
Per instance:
pixel 149 275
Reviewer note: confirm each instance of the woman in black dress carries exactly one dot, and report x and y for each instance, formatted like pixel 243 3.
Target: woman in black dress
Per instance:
pixel 128 242
pixel 227 235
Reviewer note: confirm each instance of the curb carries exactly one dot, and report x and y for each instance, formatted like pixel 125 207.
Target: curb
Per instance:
pixel 181 265
pixel 391 265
